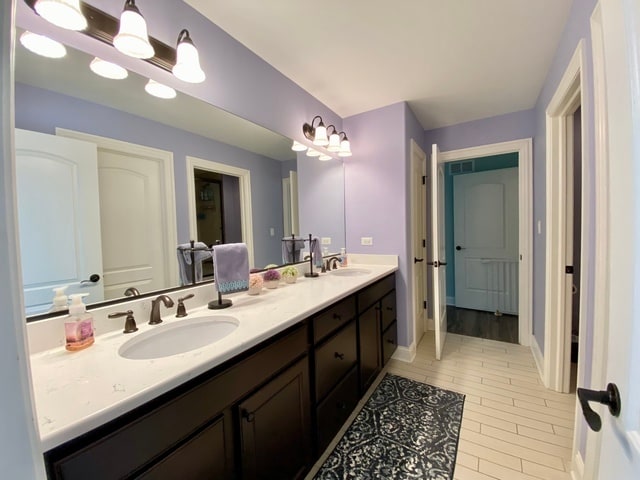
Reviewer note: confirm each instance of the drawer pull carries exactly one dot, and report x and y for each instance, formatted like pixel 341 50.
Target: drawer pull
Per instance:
pixel 339 355
pixel 390 340
pixel 389 309
pixel 341 405
pixel 248 416
pixel 337 317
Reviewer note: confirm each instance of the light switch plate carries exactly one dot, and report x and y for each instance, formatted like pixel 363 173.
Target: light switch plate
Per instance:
pixel 366 241
pixel 272 231
pixel 325 240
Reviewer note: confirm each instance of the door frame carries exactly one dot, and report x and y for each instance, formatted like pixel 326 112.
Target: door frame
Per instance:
pixel 524 148
pixel 420 196
pixel 165 160
pixel 244 180
pixel 557 339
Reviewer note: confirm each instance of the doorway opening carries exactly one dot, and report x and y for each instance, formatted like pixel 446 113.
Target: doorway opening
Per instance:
pixel 564 230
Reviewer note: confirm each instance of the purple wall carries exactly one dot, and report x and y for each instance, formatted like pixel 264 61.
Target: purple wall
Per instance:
pixel 43 111
pixel 503 128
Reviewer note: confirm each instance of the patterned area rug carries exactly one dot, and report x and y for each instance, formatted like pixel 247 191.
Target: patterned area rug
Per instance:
pixel 406 430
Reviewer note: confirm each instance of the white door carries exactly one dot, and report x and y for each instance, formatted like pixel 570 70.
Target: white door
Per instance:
pixel 418 207
pixel 439 262
pixel 137 215
pixel 59 217
pixel 485 217
pixel 290 204
pixel 618 444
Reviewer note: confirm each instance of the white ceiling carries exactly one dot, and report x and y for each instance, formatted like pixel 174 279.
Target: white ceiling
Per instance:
pixel 452 60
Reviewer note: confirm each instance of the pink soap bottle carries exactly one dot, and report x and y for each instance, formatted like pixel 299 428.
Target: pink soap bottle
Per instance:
pixel 78 328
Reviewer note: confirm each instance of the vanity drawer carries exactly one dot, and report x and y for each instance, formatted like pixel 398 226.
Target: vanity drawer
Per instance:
pixel 375 292
pixel 334 359
pixel 389 342
pixel 336 408
pixel 333 318
pixel 388 309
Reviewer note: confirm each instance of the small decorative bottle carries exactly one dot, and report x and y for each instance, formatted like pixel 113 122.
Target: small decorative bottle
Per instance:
pixel 78 328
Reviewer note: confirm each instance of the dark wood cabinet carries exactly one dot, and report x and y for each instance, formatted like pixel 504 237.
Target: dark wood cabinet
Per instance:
pixel 369 346
pixel 275 427
pixel 267 413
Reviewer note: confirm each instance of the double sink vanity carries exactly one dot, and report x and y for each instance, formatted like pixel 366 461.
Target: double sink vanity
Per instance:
pixel 257 390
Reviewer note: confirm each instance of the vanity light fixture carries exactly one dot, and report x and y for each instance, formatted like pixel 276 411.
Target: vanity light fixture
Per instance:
pixel 63 13
pixel 109 70
pixel 334 140
pixel 41 45
pixel 313 153
pixel 345 146
pixel 187 67
pixel 132 38
pixel 298 147
pixel 317 134
pixel 159 90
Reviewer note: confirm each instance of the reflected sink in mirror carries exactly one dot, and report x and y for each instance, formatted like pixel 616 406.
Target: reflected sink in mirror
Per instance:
pixel 179 337
pixel 350 272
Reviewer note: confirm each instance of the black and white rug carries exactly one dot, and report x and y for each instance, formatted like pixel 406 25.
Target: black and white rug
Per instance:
pixel 406 430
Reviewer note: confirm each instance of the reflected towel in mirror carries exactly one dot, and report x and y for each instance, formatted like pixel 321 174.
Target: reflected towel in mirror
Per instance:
pixel 231 267
pixel 200 253
pixel 291 249
pixel 316 252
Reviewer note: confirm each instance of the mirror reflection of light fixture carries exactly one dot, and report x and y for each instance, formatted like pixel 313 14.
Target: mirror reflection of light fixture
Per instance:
pixel 345 146
pixel 41 45
pixel 334 140
pixel 313 153
pixel 324 157
pixel 132 38
pixel 187 67
pixel 298 147
pixel 109 70
pixel 63 13
pixel 159 90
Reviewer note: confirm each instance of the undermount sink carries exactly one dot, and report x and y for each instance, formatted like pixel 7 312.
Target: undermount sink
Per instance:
pixel 350 272
pixel 179 337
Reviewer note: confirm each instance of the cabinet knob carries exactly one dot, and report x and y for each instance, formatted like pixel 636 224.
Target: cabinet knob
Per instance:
pixel 389 308
pixel 341 406
pixel 248 416
pixel 390 340
pixel 337 317
pixel 339 355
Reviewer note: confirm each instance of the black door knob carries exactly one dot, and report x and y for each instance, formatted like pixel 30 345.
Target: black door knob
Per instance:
pixel 458 247
pixel 93 278
pixel 609 397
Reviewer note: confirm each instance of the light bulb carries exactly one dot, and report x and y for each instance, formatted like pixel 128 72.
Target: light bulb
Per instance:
pixel 187 67
pixel 132 38
pixel 63 13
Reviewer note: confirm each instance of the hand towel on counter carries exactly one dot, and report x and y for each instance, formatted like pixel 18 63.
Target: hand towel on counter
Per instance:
pixel 316 252
pixel 201 253
pixel 231 267
pixel 291 249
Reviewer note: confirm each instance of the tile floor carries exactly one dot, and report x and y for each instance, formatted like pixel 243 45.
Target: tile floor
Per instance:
pixel 512 427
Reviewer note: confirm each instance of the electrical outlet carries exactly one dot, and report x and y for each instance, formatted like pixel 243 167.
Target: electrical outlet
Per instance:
pixel 325 240
pixel 366 241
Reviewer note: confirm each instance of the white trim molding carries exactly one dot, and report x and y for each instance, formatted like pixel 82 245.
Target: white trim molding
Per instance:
pixel 577 470
pixel 559 115
pixel 539 358
pixel 244 179
pixel 524 149
pixel 405 354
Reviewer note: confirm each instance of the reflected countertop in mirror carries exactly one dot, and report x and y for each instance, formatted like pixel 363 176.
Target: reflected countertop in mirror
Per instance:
pixel 63 98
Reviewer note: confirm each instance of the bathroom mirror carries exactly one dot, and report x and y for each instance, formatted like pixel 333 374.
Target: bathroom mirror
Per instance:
pixel 193 148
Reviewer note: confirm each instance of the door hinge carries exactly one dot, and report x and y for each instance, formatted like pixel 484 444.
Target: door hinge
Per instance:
pixel 424 304
pixel 424 179
pixel 424 243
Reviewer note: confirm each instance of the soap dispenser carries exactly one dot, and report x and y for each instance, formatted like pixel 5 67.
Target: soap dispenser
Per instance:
pixel 78 327
pixel 59 300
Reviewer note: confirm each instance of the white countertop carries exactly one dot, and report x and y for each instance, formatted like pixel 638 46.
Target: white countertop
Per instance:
pixel 76 392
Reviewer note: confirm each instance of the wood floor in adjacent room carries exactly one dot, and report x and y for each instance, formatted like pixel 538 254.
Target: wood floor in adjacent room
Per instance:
pixel 513 428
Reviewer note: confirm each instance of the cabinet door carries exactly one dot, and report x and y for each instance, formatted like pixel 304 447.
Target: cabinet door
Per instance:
pixel 275 427
pixel 203 456
pixel 334 358
pixel 389 342
pixel 369 337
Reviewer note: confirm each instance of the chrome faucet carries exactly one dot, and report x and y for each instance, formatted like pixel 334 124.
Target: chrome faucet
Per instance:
pixel 331 263
pixel 154 318
pixel 132 292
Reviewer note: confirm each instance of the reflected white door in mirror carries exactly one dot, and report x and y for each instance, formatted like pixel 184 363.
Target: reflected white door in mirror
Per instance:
pixel 133 229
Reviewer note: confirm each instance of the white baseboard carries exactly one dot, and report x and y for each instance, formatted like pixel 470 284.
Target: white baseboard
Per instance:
pixel 539 358
pixel 430 324
pixel 405 354
pixel 451 301
pixel 577 470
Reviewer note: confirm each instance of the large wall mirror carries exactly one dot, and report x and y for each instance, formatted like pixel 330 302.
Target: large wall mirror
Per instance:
pixel 111 180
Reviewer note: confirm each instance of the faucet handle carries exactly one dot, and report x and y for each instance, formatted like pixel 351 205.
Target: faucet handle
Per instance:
pixel 181 311
pixel 129 323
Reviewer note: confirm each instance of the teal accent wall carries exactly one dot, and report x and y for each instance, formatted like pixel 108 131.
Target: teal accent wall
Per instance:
pixel 494 162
